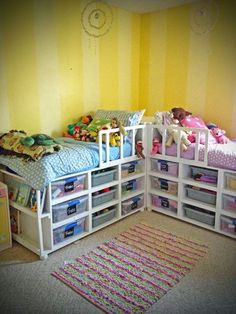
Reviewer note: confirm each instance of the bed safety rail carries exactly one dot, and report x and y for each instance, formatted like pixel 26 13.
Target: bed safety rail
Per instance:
pixel 105 137
pixel 199 151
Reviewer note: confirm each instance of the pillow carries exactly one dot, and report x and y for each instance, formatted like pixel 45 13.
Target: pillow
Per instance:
pixel 97 124
pixel 197 122
pixel 127 118
pixel 193 122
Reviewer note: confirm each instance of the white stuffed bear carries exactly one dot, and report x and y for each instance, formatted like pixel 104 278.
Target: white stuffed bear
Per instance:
pixel 173 136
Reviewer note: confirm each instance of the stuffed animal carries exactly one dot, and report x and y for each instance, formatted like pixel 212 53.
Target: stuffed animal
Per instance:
pixel 114 139
pixel 83 123
pixel 155 146
pixel 84 135
pixel 114 124
pixel 165 117
pixel 173 136
pixel 139 149
pixel 76 132
pixel 86 119
pixel 180 114
pixel 219 135
pixel 38 139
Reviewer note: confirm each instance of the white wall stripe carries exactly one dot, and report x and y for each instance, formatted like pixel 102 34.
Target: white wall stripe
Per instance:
pixel 124 58
pixel 48 67
pixel 197 73
pixel 157 61
pixel 91 62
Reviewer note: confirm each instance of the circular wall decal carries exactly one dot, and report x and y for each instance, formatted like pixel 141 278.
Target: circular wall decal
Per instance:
pixel 203 17
pixel 97 18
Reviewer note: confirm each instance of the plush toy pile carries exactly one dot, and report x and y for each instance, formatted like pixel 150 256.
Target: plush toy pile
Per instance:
pixel 179 117
pixel 87 129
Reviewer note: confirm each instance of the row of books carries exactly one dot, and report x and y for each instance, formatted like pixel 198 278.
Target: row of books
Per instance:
pixel 24 195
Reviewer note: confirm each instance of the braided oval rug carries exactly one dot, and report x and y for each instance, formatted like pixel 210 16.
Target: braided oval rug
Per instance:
pixel 132 271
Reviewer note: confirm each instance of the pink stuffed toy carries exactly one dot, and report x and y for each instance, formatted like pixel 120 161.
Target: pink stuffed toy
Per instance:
pixel 219 135
pixel 139 149
pixel 155 146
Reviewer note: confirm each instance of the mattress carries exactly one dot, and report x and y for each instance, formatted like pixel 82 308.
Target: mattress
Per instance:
pixel 75 156
pixel 219 155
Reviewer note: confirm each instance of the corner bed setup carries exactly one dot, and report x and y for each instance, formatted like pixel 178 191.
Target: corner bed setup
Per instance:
pixel 86 186
pixel 71 193
pixel 196 185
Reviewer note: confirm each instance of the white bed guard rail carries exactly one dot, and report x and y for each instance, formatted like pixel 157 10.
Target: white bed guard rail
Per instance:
pixel 162 133
pixel 133 134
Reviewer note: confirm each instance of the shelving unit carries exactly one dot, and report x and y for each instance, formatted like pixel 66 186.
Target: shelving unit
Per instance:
pixel 211 205
pixel 73 208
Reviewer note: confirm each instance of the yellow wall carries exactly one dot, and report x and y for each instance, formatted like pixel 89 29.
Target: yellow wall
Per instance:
pixel 52 72
pixel 183 68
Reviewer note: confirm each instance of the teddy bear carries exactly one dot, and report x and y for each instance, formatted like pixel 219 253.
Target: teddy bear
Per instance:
pixel 173 136
pixel 219 135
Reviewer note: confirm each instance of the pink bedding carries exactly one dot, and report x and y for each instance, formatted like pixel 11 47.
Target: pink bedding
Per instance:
pixel 219 155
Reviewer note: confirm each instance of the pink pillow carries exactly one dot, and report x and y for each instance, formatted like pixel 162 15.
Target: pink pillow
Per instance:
pixel 193 122
pixel 196 122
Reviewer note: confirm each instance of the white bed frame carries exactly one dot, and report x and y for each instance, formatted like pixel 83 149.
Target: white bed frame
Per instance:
pixel 216 217
pixel 36 228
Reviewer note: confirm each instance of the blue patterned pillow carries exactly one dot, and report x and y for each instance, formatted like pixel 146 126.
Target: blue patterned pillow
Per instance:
pixel 127 118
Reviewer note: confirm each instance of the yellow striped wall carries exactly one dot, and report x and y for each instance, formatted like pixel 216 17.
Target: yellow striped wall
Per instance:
pixel 183 68
pixel 52 72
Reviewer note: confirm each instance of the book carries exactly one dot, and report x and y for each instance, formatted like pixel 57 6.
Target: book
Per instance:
pixel 23 194
pixel 13 192
pixel 13 188
pixel 32 201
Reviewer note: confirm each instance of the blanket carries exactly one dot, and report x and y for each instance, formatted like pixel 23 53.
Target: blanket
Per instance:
pixel 11 144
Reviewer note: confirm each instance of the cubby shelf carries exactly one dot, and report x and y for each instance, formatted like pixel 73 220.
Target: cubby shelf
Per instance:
pixel 198 202
pixel 76 212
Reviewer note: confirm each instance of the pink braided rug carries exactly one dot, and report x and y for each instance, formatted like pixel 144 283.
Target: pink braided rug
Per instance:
pixel 131 272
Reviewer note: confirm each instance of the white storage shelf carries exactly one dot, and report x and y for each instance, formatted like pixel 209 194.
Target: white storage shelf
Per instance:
pixel 63 220
pixel 205 196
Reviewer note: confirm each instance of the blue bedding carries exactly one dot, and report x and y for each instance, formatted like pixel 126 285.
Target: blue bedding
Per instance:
pixel 75 156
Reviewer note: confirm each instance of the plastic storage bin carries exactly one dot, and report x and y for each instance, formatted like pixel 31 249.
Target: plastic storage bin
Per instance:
pixel 163 202
pixel 68 209
pixel 132 185
pixel 66 231
pixel 230 181
pixel 103 197
pixel 164 185
pixel 229 202
pixel 228 224
pixel 102 218
pixel 132 204
pixel 103 176
pixel 164 166
pixel 68 186
pixel 199 214
pixel 202 195
pixel 131 168
pixel 204 174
